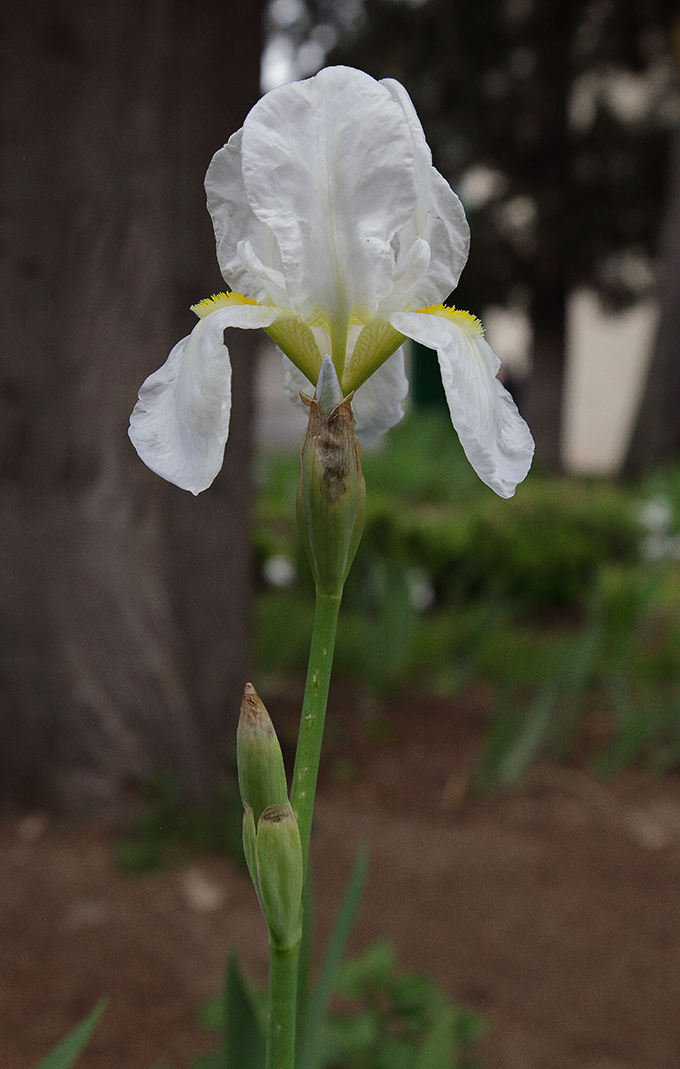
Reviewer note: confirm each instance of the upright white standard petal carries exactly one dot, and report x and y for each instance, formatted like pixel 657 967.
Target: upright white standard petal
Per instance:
pixel 180 423
pixel 496 440
pixel 236 226
pixel 439 219
pixel 328 166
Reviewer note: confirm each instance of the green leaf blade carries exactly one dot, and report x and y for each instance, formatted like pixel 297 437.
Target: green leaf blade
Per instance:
pixel 309 1056
pixel 69 1049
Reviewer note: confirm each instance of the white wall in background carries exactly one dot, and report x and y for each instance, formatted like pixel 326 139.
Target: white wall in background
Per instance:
pixel 607 361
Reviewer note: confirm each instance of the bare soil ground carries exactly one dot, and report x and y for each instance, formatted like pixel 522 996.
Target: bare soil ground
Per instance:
pixel 553 909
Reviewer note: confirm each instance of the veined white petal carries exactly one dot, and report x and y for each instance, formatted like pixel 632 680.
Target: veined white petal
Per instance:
pixel 271 279
pixel 411 265
pixel 180 423
pixel 439 218
pixel 496 440
pixel 378 405
pixel 328 167
pixel 234 223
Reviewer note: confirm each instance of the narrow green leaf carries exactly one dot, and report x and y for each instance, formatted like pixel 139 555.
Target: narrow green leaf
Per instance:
pixel 312 1026
pixel 245 1047
pixel 514 743
pixel 529 741
pixel 67 1051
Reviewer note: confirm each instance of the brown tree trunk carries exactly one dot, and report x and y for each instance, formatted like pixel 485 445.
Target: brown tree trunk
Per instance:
pixel 123 601
pixel 546 167
pixel 540 396
pixel 656 438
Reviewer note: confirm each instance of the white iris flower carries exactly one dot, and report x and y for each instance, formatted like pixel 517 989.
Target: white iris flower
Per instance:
pixel 337 236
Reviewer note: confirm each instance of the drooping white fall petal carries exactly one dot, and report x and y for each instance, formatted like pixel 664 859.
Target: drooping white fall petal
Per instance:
pixel 496 440
pixel 180 423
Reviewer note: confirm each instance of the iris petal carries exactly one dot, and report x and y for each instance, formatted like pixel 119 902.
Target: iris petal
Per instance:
pixel 379 404
pixel 180 423
pixel 328 167
pixel 328 211
pixel 496 440
pixel 439 219
pixel 235 223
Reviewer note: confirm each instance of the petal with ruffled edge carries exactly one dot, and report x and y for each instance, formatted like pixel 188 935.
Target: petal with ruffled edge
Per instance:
pixel 247 251
pixel 496 440
pixel 328 166
pixel 377 405
pixel 180 423
pixel 439 220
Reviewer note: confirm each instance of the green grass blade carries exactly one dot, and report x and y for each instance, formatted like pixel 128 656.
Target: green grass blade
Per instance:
pixel 310 1045
pixel 244 1039
pixel 69 1049
pixel 529 741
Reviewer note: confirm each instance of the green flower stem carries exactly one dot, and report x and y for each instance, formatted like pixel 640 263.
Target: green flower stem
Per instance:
pixel 314 714
pixel 283 970
pixel 283 961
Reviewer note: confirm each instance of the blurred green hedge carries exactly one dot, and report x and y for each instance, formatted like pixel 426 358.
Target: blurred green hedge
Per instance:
pixel 544 547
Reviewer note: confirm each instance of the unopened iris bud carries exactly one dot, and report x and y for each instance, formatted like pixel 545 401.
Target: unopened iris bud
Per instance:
pixel 279 873
pixel 249 848
pixel 331 504
pixel 261 772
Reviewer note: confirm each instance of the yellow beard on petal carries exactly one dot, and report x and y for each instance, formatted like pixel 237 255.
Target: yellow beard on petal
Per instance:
pixel 288 332
pixel 219 300
pixel 469 323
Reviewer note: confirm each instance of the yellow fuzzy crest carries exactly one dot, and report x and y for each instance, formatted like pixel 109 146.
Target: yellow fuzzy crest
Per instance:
pixel 466 320
pixel 219 300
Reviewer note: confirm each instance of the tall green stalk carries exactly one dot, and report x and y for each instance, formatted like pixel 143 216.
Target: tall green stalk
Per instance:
pixel 283 961
pixel 283 970
pixel 331 508
pixel 313 715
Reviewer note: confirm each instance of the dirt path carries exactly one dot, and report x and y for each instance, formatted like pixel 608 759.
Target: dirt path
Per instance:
pixel 554 910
